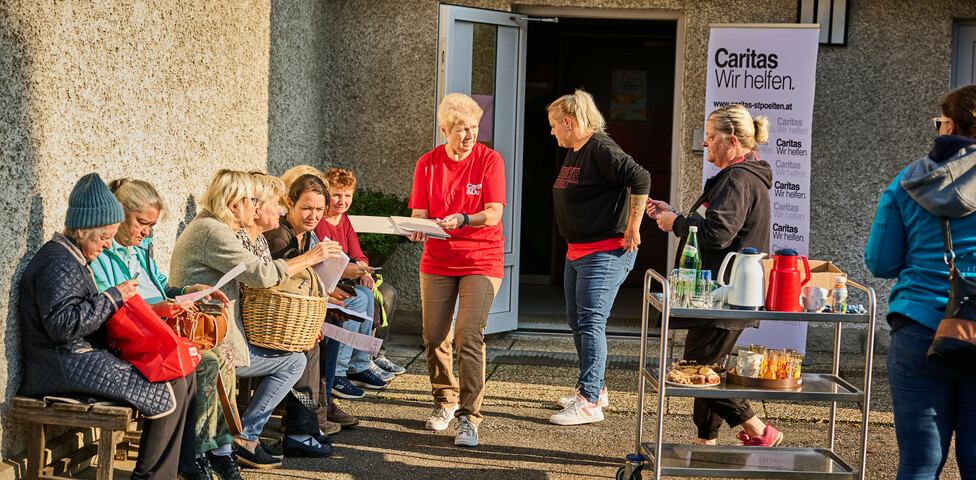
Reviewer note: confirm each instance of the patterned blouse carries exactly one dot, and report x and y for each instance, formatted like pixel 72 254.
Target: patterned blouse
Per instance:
pixel 258 247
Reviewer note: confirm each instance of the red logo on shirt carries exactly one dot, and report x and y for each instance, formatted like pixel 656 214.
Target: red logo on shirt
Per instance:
pixel 474 189
pixel 567 175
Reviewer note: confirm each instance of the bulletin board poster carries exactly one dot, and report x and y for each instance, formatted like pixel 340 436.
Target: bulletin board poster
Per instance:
pixel 771 70
pixel 628 95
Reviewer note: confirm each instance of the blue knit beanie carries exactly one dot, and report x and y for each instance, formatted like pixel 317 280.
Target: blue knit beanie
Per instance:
pixel 91 204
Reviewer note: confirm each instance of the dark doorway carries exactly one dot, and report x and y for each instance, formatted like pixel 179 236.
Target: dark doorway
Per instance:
pixel 628 67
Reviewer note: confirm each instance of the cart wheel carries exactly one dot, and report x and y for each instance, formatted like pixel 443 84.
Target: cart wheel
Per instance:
pixel 622 471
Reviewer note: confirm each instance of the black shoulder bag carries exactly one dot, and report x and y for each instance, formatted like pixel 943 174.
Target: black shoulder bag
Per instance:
pixel 954 344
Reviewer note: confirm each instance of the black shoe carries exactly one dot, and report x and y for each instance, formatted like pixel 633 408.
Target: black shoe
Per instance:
pixel 275 454
pixel 324 439
pixel 224 467
pixel 203 471
pixel 294 448
pixel 258 459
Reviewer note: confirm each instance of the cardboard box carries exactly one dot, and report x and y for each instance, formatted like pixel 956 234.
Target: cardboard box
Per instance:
pixel 822 273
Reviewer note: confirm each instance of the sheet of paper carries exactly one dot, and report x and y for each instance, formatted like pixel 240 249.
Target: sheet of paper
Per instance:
pixel 232 274
pixel 368 224
pixel 330 270
pixel 365 343
pixel 426 225
pixel 360 316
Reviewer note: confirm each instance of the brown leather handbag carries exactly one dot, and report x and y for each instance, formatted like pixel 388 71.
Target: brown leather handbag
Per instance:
pixel 204 324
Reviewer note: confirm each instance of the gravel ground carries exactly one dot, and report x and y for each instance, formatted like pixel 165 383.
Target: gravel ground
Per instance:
pixel 517 441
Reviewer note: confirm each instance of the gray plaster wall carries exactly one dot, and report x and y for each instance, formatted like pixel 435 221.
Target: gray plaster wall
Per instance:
pixel 160 90
pixel 297 85
pixel 873 101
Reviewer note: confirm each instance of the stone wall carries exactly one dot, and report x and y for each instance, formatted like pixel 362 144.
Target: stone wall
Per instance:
pixel 160 90
pixel 297 85
pixel 873 101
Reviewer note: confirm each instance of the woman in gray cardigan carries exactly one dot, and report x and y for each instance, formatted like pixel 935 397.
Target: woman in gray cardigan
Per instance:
pixel 206 250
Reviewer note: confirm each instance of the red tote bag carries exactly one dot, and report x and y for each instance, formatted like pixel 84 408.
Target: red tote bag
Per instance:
pixel 143 339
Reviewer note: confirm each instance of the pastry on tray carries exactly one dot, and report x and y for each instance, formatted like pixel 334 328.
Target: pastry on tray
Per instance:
pixel 687 372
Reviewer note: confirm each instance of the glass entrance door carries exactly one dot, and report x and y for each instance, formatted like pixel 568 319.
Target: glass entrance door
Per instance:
pixel 482 53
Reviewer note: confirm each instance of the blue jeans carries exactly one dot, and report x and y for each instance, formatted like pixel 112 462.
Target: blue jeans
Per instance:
pixel 591 283
pixel 355 361
pixel 930 402
pixel 329 353
pixel 281 371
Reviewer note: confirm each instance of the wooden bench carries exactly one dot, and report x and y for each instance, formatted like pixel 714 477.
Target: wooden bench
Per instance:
pixel 111 421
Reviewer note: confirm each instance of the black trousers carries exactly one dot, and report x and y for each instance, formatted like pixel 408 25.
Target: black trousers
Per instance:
pixel 710 345
pixel 389 302
pixel 166 443
pixel 299 419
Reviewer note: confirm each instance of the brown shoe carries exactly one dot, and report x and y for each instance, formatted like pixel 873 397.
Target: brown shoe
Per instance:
pixel 327 427
pixel 335 414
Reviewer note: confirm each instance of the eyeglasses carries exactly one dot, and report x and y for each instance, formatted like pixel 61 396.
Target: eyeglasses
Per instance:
pixel 938 121
pixel 255 200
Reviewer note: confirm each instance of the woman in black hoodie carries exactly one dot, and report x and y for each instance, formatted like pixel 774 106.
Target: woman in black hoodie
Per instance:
pixel 734 213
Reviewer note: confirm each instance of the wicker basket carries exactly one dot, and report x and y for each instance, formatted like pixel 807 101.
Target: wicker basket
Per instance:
pixel 280 320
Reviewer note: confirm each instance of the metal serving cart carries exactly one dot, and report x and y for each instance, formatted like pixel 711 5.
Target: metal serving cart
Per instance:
pixel 669 459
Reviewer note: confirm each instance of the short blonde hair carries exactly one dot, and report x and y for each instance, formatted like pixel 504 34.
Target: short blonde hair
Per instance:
pixel 455 108
pixel 581 107
pixel 270 188
pixel 734 119
pixel 292 174
pixel 138 195
pixel 227 186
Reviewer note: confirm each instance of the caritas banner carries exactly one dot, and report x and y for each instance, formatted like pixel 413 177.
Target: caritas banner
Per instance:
pixel 771 69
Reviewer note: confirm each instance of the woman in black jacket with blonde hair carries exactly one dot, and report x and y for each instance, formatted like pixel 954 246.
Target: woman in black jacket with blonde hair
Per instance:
pixel 735 214
pixel 598 200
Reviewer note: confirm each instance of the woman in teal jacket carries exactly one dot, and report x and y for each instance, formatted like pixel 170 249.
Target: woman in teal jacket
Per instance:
pixel 129 258
pixel 930 401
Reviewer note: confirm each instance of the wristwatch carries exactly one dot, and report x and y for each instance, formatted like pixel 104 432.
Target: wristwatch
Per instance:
pixel 465 222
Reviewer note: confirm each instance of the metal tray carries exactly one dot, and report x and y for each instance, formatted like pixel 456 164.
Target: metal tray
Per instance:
pixel 815 387
pixel 771 383
pixel 727 461
pixel 656 299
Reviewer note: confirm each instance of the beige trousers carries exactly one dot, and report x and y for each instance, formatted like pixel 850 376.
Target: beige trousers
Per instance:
pixel 473 294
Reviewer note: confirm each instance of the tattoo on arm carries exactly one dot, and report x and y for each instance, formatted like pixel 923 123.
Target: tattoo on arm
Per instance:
pixel 637 205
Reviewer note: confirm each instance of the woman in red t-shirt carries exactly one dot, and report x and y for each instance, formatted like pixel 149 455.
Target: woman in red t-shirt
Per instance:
pixel 462 185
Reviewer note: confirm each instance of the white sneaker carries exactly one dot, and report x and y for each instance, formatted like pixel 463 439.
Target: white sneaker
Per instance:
pixel 440 418
pixel 604 400
pixel 467 433
pixel 578 412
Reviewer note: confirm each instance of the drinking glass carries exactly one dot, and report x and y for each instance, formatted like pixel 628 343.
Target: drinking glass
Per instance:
pixel 675 284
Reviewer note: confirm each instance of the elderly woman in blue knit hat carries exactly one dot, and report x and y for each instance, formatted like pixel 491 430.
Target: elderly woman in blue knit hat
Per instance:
pixel 62 317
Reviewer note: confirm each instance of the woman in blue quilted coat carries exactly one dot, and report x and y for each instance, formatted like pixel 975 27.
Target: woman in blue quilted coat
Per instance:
pixel 62 317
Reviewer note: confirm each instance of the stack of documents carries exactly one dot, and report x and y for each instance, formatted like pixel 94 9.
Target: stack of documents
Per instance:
pixel 397 226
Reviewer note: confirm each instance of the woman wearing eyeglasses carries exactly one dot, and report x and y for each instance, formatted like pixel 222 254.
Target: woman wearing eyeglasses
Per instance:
pixel 462 185
pixel 734 214
pixel 209 248
pixel 930 401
